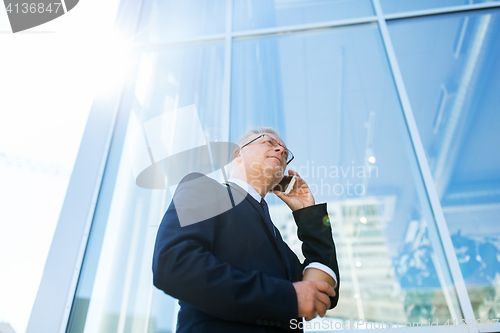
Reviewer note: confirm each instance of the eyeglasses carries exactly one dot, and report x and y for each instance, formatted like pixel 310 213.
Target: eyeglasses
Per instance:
pixel 273 143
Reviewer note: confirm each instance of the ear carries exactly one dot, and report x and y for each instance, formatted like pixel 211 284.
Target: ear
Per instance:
pixel 237 154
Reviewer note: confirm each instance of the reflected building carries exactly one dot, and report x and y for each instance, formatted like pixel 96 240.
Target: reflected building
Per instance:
pixel 369 288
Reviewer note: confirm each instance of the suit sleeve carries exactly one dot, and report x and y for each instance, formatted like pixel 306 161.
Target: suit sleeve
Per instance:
pixel 313 229
pixel 185 268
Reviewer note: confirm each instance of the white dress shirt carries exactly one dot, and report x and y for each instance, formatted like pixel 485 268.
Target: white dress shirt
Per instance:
pixel 253 192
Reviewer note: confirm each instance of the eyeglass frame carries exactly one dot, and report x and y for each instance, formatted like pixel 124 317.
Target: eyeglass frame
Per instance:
pixel 277 144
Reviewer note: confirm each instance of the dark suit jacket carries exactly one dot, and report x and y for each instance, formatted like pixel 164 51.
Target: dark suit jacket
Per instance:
pixel 229 272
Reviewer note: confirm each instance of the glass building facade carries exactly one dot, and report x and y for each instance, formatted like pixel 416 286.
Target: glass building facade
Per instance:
pixel 389 108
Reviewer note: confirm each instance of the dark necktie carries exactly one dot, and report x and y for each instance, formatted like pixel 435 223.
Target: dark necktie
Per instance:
pixel 263 203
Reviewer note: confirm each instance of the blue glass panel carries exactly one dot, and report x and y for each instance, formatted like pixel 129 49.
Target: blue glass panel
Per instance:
pixel 331 95
pixel 171 20
pixel 257 14
pixel 115 291
pixel 396 6
pixel 452 74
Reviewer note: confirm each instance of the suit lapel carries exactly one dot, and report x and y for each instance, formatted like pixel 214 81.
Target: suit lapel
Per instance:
pixel 283 248
pixel 263 220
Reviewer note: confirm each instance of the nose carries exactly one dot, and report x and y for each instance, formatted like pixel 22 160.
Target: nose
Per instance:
pixel 283 152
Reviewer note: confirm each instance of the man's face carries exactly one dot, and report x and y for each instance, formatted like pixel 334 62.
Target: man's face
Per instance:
pixel 264 156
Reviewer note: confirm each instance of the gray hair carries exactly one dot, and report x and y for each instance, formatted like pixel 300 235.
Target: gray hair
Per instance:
pixel 244 137
pixel 258 130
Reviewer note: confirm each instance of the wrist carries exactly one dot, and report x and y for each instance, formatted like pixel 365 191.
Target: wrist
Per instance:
pixel 314 274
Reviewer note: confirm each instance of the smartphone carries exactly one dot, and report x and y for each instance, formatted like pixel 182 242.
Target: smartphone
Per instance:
pixel 285 185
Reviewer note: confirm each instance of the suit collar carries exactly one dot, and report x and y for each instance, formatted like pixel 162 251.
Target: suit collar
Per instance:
pixel 247 187
pixel 255 202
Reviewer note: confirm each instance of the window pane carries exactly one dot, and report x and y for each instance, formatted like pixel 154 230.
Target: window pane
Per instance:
pixel 171 20
pixel 452 74
pixel 115 290
pixel 257 14
pixel 331 96
pixel 395 6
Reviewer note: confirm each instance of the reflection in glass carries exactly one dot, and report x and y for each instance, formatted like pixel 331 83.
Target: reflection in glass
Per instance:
pixel 258 14
pixel 331 96
pixel 453 78
pixel 395 6
pixel 115 290
pixel 171 20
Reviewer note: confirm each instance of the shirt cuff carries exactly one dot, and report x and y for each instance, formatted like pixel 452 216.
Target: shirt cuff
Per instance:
pixel 323 268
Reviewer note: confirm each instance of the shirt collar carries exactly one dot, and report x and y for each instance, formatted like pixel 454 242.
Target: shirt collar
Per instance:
pixel 247 187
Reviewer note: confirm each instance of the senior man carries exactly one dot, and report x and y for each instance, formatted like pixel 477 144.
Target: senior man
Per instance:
pixel 232 272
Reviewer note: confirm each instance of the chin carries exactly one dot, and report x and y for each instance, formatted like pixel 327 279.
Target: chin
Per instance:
pixel 275 170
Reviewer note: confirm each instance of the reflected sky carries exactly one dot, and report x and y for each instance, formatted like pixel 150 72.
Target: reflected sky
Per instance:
pixel 451 72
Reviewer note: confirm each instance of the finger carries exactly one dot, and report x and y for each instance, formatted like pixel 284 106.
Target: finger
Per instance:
pixel 325 288
pixel 298 179
pixel 282 196
pixel 323 298
pixel 311 316
pixel 296 174
pixel 300 185
pixel 320 308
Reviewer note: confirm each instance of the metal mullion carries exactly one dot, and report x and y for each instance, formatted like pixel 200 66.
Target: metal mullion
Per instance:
pixel 442 10
pixel 228 54
pixel 312 26
pixel 56 292
pixel 60 276
pixel 302 27
pixel 463 296
pixel 201 39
